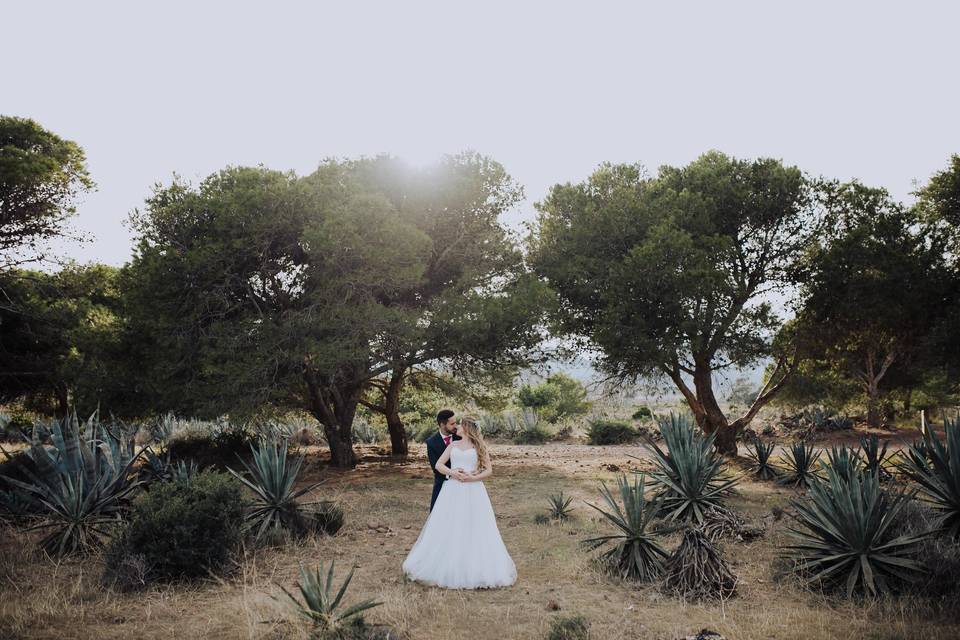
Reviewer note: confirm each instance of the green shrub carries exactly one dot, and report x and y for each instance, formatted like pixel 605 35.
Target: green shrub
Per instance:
pixel 216 449
pixel 642 413
pixel 690 474
pixel 184 529
pixel 555 399
pixel 602 432
pixel 845 536
pixel 569 628
pixel 531 435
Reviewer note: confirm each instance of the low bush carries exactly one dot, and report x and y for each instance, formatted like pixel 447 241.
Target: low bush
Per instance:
pixel 642 413
pixel 602 432
pixel 569 628
pixel 325 517
pixel 180 530
pixel 217 449
pixel 531 435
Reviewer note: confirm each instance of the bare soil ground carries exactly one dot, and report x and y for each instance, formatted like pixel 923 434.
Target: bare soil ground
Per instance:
pixel 40 598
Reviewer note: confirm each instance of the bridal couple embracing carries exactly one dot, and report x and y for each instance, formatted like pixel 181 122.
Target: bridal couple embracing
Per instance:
pixel 460 546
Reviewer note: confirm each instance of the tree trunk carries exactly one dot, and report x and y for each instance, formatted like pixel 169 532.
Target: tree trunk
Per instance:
pixel 391 405
pixel 335 407
pixel 63 402
pixel 711 418
pixel 874 419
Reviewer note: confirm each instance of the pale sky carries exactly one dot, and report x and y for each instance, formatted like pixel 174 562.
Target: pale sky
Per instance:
pixel 549 89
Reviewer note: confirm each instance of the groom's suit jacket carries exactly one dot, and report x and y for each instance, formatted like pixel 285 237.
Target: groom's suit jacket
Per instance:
pixel 435 449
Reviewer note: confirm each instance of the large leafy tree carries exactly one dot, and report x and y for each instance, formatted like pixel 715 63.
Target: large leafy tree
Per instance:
pixel 60 344
pixel 670 275
pixel 872 288
pixel 473 311
pixel 41 175
pixel 263 289
pixel 938 207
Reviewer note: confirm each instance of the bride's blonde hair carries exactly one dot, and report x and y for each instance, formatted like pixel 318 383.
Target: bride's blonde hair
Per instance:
pixel 472 431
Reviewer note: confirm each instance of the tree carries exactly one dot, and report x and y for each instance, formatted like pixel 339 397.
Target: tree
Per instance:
pixel 260 289
pixel 871 288
pixel 669 275
pixel 59 347
pixel 41 176
pixel 474 311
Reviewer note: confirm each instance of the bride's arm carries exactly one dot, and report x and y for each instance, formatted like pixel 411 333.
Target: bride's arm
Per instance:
pixel 441 463
pixel 487 470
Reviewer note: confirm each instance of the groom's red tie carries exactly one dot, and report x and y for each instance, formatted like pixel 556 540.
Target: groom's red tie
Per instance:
pixel 446 440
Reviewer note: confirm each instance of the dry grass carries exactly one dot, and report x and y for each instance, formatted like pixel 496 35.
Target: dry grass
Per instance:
pixel 43 599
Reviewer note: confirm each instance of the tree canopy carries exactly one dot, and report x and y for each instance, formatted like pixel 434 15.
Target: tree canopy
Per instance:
pixel 670 275
pixel 41 175
pixel 260 288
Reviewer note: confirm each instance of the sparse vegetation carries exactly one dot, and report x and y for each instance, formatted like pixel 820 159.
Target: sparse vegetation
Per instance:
pixel 569 628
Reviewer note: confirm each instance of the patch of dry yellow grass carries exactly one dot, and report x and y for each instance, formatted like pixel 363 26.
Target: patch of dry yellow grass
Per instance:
pixel 43 599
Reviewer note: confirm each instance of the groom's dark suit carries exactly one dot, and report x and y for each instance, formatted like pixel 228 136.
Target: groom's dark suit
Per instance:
pixel 435 449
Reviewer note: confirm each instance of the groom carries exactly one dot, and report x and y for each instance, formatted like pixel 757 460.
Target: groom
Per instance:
pixel 436 445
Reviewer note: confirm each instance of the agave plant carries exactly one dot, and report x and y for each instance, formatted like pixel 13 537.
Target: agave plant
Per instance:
pixel 874 457
pixel 846 536
pixel 800 461
pixel 690 475
pixel 635 554
pixel 560 506
pixel 843 460
pixel 81 484
pixel 320 605
pixel 761 465
pixel 272 480
pixel 935 467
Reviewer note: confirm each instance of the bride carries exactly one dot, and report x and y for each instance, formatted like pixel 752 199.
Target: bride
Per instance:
pixel 460 546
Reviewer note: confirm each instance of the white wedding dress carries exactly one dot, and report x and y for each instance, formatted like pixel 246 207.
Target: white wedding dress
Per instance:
pixel 460 546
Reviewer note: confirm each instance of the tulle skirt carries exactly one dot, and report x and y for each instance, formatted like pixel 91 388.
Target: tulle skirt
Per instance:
pixel 460 546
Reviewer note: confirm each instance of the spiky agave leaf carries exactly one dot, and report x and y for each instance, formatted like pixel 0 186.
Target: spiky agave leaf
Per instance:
pixel 843 460
pixel 272 479
pixel 560 506
pixel 320 605
pixel 935 467
pixel 760 454
pixel 636 554
pixel 801 461
pixel 79 487
pixel 874 457
pixel 690 475
pixel 845 536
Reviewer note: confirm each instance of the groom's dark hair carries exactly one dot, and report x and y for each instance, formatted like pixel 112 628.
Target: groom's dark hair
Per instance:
pixel 444 415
